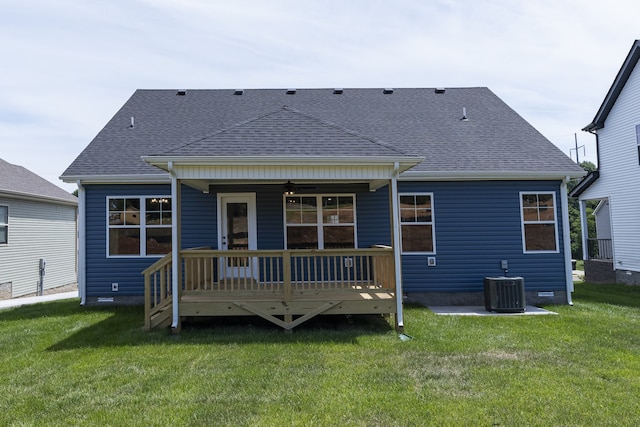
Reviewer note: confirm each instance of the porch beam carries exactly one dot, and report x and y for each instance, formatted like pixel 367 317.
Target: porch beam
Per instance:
pixel 283 324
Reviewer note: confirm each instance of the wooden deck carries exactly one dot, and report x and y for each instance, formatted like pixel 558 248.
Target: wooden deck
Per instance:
pixel 286 287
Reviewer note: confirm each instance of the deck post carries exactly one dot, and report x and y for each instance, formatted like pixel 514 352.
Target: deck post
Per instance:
pixel 395 236
pixel 147 302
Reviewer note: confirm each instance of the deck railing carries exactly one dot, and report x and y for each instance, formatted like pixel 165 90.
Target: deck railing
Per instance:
pixel 600 249
pixel 280 273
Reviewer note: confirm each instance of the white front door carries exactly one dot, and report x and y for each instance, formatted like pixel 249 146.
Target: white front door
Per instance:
pixel 237 230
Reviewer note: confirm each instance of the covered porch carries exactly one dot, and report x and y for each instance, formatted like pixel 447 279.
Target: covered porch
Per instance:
pixel 297 282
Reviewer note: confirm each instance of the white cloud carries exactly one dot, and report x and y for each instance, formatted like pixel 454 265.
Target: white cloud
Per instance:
pixel 70 65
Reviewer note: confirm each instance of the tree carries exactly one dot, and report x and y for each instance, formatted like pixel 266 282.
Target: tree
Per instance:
pixel 575 226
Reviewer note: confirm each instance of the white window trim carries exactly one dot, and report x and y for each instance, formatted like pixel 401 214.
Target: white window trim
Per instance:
pixel 143 229
pixel 319 222
pixel 432 223
pixel 5 224
pixel 554 222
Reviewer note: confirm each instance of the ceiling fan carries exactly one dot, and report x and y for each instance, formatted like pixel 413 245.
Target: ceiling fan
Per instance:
pixel 290 188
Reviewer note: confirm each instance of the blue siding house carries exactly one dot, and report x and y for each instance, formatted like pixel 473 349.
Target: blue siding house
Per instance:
pixel 287 204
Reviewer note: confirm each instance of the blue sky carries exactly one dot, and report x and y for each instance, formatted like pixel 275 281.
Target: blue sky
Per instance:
pixel 68 66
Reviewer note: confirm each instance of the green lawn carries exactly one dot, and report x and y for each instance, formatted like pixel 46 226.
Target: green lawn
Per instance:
pixel 67 365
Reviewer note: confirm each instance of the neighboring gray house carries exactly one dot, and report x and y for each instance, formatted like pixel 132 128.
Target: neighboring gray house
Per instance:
pixel 287 204
pixel 614 254
pixel 37 234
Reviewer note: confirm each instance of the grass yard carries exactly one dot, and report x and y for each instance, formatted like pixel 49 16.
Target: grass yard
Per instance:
pixel 66 365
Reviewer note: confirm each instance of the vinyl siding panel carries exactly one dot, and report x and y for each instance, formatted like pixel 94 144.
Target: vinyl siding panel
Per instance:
pixel 477 224
pixel 100 270
pixel 620 174
pixel 38 230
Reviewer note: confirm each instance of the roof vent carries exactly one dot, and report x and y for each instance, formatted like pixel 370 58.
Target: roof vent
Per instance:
pixel 387 91
pixel 338 91
pixel 439 90
pixel 133 123
pixel 238 92
pixel 181 92
pixel 291 91
pixel 464 117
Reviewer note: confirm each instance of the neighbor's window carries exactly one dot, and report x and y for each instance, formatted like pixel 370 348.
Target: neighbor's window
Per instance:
pixel 539 226
pixel 320 222
pixel 139 226
pixel 416 223
pixel 638 141
pixel 4 224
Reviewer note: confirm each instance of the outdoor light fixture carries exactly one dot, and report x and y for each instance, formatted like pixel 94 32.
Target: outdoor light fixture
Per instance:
pixel 289 189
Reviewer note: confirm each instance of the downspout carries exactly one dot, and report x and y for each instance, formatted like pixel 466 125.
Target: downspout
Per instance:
pixel 395 235
pixel 566 237
pixel 82 243
pixel 175 250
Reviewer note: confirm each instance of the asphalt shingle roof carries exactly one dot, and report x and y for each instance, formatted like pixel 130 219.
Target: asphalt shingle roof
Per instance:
pixel 418 122
pixel 16 180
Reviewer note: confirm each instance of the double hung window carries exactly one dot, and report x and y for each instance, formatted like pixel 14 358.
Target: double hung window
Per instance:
pixel 539 225
pixel 416 223
pixel 320 222
pixel 139 226
pixel 4 225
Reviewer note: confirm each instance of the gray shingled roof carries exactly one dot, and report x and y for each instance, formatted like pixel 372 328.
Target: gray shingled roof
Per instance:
pixel 417 122
pixel 16 180
pixel 281 133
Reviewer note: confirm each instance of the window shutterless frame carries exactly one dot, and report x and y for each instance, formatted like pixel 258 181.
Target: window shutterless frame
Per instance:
pixel 417 221
pixel 138 226
pixel 4 224
pixel 539 222
pixel 320 221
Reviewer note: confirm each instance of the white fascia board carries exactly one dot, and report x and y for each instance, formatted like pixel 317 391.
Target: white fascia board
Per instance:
pixel 405 162
pixel 161 178
pixel 487 175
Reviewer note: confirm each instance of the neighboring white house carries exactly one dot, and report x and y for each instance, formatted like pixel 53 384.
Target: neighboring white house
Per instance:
pixel 615 253
pixel 38 229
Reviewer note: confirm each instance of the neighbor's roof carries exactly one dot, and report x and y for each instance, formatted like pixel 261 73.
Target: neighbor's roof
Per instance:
pixel 16 181
pixel 616 88
pixel 352 122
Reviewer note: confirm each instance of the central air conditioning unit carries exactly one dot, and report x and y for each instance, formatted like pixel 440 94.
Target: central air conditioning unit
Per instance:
pixel 504 294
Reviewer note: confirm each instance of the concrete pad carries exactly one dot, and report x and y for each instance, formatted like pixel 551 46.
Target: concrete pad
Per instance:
pixel 17 302
pixel 460 310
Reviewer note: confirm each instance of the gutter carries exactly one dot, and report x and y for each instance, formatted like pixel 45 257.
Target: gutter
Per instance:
pixel 412 175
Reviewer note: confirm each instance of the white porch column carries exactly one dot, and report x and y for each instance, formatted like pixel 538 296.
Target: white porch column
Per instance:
pixel 584 226
pixel 175 247
pixel 566 237
pixel 395 236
